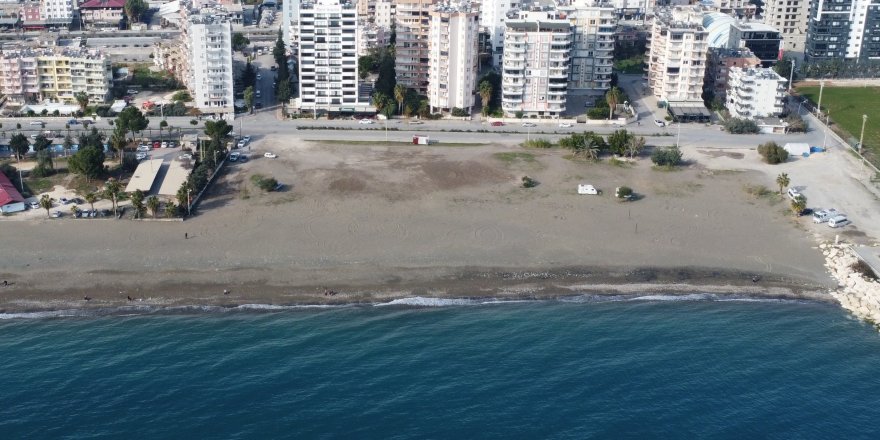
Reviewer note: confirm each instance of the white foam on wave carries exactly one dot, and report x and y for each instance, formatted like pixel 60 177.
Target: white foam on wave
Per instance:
pixel 290 307
pixel 46 314
pixel 687 297
pixel 428 302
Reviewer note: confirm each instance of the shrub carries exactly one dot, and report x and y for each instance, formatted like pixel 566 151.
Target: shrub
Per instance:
pixel 528 182
pixel 772 153
pixel 796 124
pixel 623 192
pixel 598 113
pixel 264 183
pixel 741 126
pixel 538 143
pixel 459 112
pixel 667 157
pixel 182 95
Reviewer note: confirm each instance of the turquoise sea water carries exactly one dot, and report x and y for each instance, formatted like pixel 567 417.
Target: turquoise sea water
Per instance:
pixel 573 370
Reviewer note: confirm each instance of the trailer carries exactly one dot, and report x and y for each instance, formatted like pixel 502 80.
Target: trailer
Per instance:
pixel 421 140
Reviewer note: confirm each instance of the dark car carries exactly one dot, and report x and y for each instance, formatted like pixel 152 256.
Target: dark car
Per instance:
pixel 497 124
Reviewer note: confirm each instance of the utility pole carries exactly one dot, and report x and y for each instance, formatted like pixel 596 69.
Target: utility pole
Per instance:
pixel 791 76
pixel 821 89
pixel 678 136
pixel 825 137
pixel 862 136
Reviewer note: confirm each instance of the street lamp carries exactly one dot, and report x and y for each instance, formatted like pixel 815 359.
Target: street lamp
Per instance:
pixel 825 137
pixel 791 76
pixel 862 136
pixel 678 136
pixel 821 89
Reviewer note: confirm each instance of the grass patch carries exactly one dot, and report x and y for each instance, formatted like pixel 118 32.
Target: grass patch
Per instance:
pixel 514 157
pixel 620 163
pixel 632 65
pixel 396 143
pixel 762 192
pixel 538 143
pixel 847 105
pixel 666 168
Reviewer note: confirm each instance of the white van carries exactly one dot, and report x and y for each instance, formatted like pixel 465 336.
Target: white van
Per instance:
pixel 838 221
pixel 823 215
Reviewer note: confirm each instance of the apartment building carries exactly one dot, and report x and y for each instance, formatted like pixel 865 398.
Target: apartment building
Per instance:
pixel 593 24
pixel 413 18
pixel 755 93
pixel 493 14
pixel 57 11
pixel 535 70
pixel 328 59
pixel 290 25
pixel 843 29
pixel 55 75
pixel 721 60
pixel 725 31
pixel 677 55
pixel 370 37
pixel 629 9
pixel 791 17
pixel 209 51
pixel 453 56
pixel 384 13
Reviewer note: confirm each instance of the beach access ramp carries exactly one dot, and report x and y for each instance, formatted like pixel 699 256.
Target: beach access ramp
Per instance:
pixel 144 176
pixel 178 171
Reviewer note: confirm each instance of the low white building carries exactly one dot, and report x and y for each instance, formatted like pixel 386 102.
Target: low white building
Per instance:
pixel 755 93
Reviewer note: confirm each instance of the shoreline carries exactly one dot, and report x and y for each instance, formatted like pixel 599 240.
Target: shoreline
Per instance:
pixel 443 287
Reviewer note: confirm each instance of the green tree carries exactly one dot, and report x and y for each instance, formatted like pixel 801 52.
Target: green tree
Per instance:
pixel 183 194
pixel 387 79
pixel 88 161
pixel 182 96
pixel 41 143
pixel 113 191
pixel 92 138
pixel 782 180
pixel 137 202
pixel 612 97
pixel 249 75
pixel 279 52
pixel 772 153
pixel 667 157
pixel 283 93
pixel 118 141
pixel 68 142
pixel 134 9
pixel 798 205
pixel 20 145
pixel 46 203
pixel 170 210
pixel 485 90
pixel 619 140
pixel 239 41
pixel 162 125
pixel 132 120
pixel 249 98
pixel 74 210
pixel 91 198
pixel 82 98
pixel 400 95
pixel 153 205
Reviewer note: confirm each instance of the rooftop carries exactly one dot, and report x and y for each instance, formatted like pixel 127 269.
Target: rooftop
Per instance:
pixel 71 52
pixel 100 4
pixel 759 73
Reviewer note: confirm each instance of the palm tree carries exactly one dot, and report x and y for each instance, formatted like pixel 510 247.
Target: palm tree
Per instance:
pixel 112 190
pixel 137 202
pixel 170 210
pixel 399 96
pixel 798 205
pixel 612 97
pixel 782 180
pixel 153 205
pixel 485 90
pixel 46 203
pixel 118 141
pixel 91 198
pixel 73 210
pixel 592 153
pixel 82 98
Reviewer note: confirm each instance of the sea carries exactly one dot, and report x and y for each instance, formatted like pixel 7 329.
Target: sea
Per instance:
pixel 694 366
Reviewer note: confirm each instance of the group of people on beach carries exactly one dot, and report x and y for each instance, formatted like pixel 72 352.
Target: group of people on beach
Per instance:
pixel 328 292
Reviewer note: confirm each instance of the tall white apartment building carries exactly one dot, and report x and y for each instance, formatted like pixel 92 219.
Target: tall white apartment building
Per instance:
pixel 677 58
pixel 383 14
pixel 209 78
pixel 755 92
pixel 593 25
pixel 290 23
pixel 57 75
pixel 412 25
pixel 493 14
pixel 57 10
pixel 328 59
pixel 792 18
pixel 534 77
pixel 454 57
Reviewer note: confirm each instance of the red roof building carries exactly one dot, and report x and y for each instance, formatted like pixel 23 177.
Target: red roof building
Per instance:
pixel 102 11
pixel 8 193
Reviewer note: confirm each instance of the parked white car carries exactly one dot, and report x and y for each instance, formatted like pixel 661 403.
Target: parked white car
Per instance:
pixel 823 215
pixel 793 193
pixel 528 124
pixel 141 156
pixel 270 155
pixel 583 188
pixel 565 125
pixel 659 123
pixel 365 121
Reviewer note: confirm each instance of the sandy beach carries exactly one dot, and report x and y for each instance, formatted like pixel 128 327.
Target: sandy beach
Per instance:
pixel 380 222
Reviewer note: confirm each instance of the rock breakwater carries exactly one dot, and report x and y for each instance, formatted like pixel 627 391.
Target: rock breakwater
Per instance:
pixel 855 292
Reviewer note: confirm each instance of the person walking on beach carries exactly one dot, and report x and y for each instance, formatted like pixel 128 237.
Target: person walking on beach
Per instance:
pixel 186 235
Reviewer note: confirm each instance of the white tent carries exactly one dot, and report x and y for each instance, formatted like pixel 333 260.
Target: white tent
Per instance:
pixel 797 148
